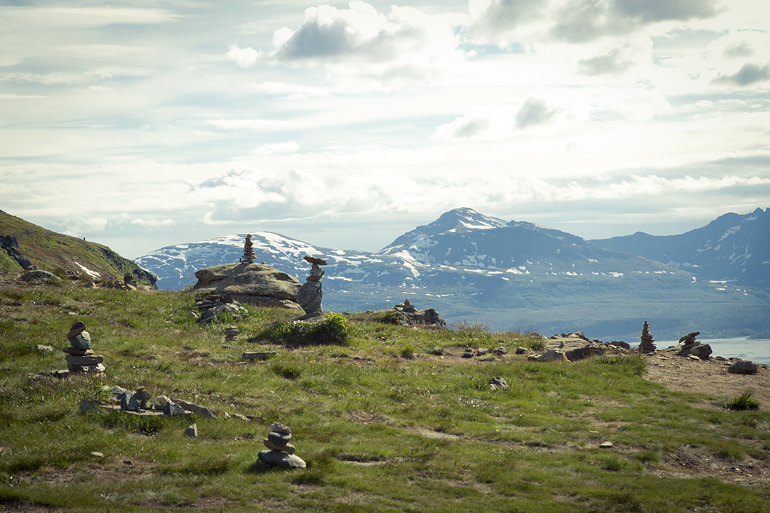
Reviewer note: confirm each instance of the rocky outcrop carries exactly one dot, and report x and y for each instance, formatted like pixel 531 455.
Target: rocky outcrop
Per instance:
pixel 10 245
pixel 574 346
pixel 411 316
pixel 257 284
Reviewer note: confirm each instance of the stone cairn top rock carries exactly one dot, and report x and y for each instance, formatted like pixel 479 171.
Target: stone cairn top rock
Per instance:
pixel 80 357
pixel 280 452
pixel 248 251
pixel 647 345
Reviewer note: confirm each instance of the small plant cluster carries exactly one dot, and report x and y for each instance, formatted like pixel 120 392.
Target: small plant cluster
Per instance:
pixel 333 329
pixel 743 401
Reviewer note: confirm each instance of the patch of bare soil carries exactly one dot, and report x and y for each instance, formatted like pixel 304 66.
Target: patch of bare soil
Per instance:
pixel 698 462
pixel 707 377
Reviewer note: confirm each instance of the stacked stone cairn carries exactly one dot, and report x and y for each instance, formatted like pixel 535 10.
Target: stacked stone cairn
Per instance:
pixel 209 307
pixel 248 251
pixel 647 345
pixel 281 452
pixel 231 334
pixel 694 347
pixel 80 357
pixel 310 294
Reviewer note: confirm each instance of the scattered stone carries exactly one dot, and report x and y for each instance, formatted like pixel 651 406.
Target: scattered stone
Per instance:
pixel 263 355
pixel 192 431
pixel 743 367
pixel 281 452
pixel 534 357
pixel 702 351
pixel 44 349
pixel 201 410
pixel 468 353
pixel 647 345
pixel 209 307
pixel 521 350
pixel 128 462
pixel 606 445
pixel 500 351
pixel 575 346
pixel 498 383
pixel 97 454
pixel 621 344
pixel 481 351
pixel 172 409
pixel 129 402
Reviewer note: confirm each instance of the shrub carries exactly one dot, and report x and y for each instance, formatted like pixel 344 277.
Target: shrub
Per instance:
pixel 333 329
pixel 743 401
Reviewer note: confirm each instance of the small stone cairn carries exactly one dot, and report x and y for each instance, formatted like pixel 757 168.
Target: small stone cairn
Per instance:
pixel 411 316
pixel 231 334
pixel 80 357
pixel 647 345
pixel 281 452
pixel 248 251
pixel 694 347
pixel 310 294
pixel 208 308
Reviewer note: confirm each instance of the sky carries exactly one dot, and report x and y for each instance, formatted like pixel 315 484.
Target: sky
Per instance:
pixel 141 124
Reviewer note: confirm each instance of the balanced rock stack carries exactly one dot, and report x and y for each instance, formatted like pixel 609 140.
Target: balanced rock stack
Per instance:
pixel 647 344
pixel 281 452
pixel 694 347
pixel 248 251
pixel 231 334
pixel 80 357
pixel 310 294
pixel 406 306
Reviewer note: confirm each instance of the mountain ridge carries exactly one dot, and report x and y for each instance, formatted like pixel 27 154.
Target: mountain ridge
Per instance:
pixel 509 275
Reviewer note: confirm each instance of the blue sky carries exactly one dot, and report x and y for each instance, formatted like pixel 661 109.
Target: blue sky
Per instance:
pixel 145 124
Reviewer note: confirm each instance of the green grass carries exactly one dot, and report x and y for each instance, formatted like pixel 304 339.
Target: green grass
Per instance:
pixel 388 418
pixel 743 401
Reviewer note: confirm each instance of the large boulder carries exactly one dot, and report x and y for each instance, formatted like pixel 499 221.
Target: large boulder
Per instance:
pixel 574 346
pixel 258 284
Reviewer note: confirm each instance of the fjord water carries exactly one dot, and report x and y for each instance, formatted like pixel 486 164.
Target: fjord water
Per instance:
pixel 756 350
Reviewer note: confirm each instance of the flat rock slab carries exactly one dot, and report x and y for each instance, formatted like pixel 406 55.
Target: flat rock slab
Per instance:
pixel 251 283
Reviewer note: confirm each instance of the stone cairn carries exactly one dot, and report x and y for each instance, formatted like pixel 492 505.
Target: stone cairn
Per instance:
pixel 647 344
pixel 406 306
pixel 248 251
pixel 311 293
pixel 694 347
pixel 80 357
pixel 208 308
pixel 281 452
pixel 231 334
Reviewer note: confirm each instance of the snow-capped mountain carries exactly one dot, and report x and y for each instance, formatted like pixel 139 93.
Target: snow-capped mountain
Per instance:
pixel 733 248
pixel 509 275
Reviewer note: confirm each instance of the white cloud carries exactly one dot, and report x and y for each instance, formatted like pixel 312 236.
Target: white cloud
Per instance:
pixel 276 148
pixel 292 91
pixel 243 57
pixel 749 74
pixel 262 125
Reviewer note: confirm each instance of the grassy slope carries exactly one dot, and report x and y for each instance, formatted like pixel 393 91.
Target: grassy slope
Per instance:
pixel 49 250
pixel 385 424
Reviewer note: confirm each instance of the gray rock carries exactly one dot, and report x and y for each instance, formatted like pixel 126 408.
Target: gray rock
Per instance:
pixel 500 351
pixel 278 438
pixel 128 402
pixel 521 350
pixel 279 427
pixel 44 349
pixel 257 284
pixel 498 383
pixel 743 367
pixel 702 351
pixel 201 410
pixel 172 408
pixel 553 356
pixel 427 317
pixel 281 459
pixel 84 360
pixel 192 431
pixel 81 341
pixel 468 353
pixel 38 276
pixel 289 448
pixel 142 394
pixel 310 296
pixel 262 355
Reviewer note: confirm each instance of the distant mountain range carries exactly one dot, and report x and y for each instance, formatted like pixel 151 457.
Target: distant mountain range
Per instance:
pixel 23 243
pixel 518 275
pixel 733 248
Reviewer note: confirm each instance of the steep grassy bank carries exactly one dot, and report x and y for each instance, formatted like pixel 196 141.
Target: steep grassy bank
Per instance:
pixel 393 421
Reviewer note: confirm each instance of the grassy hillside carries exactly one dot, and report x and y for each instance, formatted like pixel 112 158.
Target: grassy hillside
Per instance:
pixel 393 420
pixel 50 250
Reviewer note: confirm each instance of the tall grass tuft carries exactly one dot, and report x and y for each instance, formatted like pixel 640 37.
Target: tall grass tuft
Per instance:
pixel 743 401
